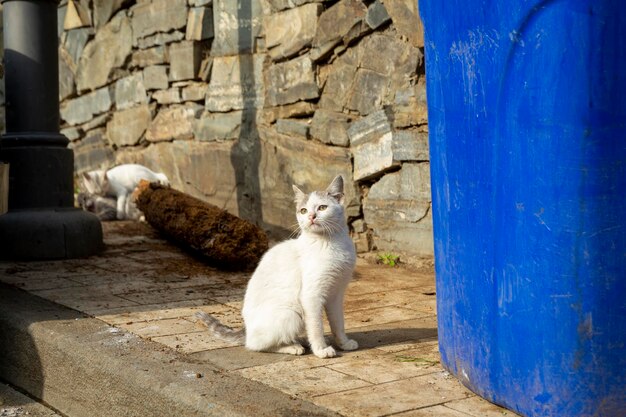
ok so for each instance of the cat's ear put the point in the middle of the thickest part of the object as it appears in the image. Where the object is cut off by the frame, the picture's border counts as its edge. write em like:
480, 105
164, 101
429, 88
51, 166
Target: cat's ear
335, 189
299, 195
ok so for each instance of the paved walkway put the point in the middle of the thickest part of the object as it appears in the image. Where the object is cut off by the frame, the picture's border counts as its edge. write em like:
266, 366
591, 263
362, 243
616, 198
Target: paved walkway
152, 289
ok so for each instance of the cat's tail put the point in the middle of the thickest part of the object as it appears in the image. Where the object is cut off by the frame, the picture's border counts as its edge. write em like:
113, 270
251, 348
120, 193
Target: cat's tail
220, 330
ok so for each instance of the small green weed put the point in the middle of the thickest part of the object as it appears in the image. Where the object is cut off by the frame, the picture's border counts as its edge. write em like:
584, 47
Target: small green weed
388, 258
424, 361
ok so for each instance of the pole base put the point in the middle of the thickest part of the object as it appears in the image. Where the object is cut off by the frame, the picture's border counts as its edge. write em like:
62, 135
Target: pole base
49, 234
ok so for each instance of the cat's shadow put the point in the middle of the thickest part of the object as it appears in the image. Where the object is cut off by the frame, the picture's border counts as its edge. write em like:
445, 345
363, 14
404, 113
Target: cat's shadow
375, 338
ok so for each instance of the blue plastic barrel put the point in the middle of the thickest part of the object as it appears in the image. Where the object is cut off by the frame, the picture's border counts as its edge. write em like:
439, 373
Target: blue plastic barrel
527, 120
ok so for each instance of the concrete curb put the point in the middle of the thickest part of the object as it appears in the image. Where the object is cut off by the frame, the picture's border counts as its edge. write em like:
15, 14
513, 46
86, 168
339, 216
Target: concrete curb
83, 367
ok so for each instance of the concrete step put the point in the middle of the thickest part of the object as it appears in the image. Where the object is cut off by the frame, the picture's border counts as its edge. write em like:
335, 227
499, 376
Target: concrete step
81, 366
15, 404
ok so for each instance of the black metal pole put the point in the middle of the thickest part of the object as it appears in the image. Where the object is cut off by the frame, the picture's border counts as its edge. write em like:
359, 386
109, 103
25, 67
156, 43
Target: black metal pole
42, 222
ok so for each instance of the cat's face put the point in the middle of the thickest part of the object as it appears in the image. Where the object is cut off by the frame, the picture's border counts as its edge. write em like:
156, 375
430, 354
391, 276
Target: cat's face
321, 212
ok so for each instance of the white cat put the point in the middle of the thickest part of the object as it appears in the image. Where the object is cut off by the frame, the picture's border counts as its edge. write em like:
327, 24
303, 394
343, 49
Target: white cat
297, 280
120, 182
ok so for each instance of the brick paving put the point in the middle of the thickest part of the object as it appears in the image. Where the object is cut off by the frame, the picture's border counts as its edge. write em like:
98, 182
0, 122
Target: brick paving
150, 288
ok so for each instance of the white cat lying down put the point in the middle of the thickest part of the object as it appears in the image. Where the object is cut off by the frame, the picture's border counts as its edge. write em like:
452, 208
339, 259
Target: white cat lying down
297, 280
120, 182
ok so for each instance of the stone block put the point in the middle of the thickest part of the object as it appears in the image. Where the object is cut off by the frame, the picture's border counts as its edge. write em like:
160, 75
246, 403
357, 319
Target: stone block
194, 92
369, 128
342, 22
159, 39
199, 3
104, 9
107, 51
368, 92
72, 133
185, 58
95, 122
92, 152
376, 15
67, 69
237, 24
410, 145
75, 41
128, 126
409, 106
155, 77
77, 15
290, 127
405, 17
309, 165
130, 91
173, 123
377, 148
291, 81
236, 83
290, 4
338, 85
151, 56
85, 107
269, 115
199, 24
169, 96
218, 126
290, 31
330, 127
158, 16
397, 209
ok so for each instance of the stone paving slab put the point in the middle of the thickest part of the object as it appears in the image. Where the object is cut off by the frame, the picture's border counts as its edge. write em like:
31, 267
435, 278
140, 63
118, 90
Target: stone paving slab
151, 289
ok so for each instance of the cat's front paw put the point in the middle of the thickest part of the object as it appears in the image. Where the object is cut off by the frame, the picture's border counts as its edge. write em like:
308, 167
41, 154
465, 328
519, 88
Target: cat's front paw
327, 352
348, 344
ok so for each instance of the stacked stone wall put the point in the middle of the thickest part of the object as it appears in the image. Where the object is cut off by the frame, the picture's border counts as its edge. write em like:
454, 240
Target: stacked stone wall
235, 100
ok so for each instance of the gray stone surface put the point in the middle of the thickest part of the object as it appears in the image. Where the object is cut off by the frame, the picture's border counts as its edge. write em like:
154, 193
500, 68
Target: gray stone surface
83, 108
195, 91
406, 19
378, 148
173, 123
291, 81
236, 83
290, 127
169, 96
97, 121
155, 77
128, 126
279, 5
16, 404
185, 58
104, 9
199, 3
158, 16
218, 126
342, 22
410, 145
338, 85
237, 24
330, 127
199, 24
288, 32
92, 152
107, 51
376, 15
397, 208
160, 39
130, 91
67, 70
269, 115
151, 56
368, 92
75, 41
72, 133
410, 106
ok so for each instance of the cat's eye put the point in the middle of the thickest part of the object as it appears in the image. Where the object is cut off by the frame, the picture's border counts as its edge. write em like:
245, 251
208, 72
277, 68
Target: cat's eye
303, 211
322, 208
